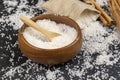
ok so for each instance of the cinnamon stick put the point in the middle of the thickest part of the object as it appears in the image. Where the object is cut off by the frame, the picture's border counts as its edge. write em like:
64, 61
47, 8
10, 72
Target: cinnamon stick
115, 12
103, 20
118, 2
101, 17
117, 6
103, 13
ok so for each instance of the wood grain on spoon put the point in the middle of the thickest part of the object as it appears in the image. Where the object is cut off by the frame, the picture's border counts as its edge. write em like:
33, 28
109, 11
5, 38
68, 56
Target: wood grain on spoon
50, 35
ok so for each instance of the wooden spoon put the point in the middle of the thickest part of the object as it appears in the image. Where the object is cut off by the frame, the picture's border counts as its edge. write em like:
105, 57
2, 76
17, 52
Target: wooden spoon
50, 35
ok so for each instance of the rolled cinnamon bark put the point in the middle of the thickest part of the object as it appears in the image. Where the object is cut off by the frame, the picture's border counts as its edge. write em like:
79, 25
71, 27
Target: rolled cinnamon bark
103, 13
114, 9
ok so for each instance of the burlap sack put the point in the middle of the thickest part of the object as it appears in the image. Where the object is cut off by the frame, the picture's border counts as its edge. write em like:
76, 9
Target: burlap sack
71, 8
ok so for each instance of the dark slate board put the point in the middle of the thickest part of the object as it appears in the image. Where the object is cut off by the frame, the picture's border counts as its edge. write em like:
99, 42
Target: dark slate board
15, 66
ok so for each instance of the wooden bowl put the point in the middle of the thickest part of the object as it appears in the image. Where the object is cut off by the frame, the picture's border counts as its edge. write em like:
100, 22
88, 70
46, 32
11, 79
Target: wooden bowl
51, 56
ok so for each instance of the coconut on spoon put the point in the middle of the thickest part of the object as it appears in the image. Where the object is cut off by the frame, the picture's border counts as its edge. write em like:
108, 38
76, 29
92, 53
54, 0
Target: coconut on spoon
49, 35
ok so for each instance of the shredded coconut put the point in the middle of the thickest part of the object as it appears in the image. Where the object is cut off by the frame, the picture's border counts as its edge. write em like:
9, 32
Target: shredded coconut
98, 59
16, 11
37, 39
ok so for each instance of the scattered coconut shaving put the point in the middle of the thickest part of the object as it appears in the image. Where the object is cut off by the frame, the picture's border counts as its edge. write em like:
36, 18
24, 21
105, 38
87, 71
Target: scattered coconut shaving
97, 60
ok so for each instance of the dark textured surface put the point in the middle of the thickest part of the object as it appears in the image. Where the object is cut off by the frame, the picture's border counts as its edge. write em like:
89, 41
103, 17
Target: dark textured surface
12, 61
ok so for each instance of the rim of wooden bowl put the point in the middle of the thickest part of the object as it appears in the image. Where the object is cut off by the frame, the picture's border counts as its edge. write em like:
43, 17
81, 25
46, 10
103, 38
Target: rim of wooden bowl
79, 34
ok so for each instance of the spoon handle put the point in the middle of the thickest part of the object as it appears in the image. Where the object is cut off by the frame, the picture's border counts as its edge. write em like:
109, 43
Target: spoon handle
31, 23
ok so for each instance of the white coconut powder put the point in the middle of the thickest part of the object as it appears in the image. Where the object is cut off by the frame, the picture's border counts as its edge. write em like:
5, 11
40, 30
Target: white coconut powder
37, 39
100, 44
